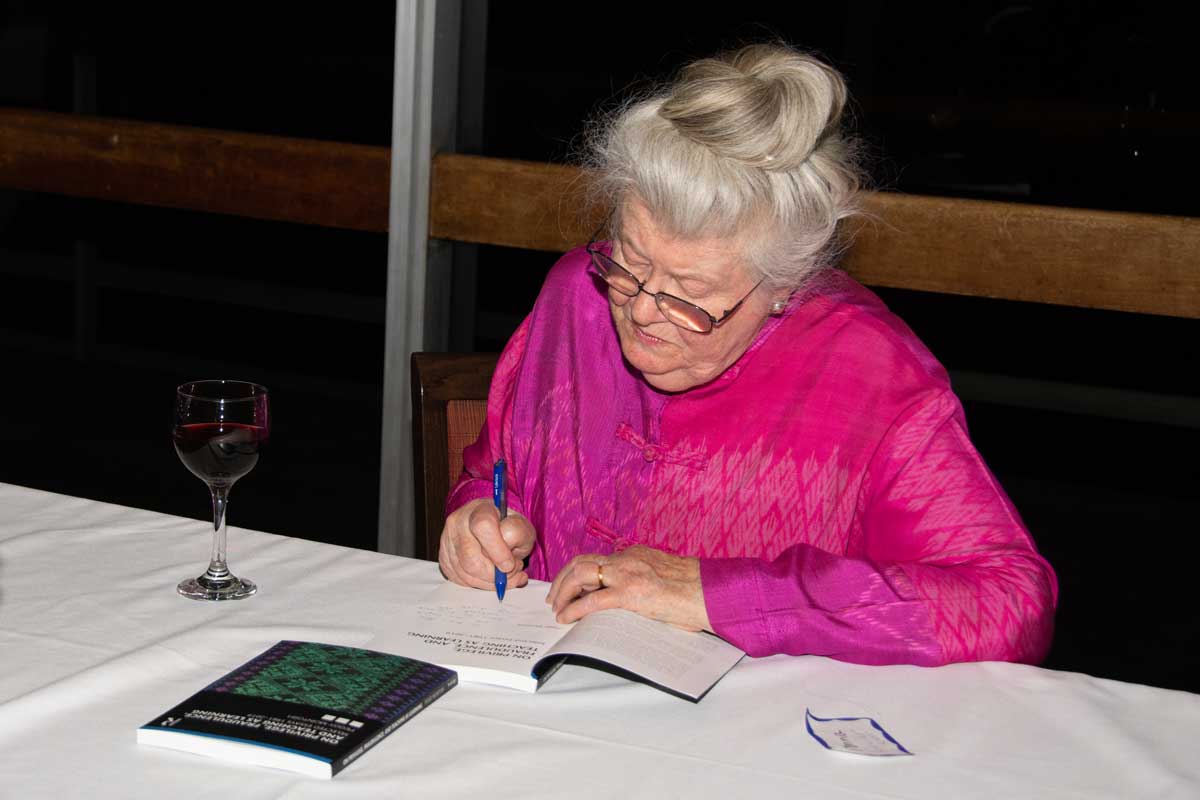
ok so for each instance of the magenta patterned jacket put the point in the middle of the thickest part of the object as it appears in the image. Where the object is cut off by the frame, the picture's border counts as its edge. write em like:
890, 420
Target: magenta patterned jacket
825, 480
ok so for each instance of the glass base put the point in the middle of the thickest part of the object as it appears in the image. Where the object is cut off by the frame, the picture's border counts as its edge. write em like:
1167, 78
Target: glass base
204, 588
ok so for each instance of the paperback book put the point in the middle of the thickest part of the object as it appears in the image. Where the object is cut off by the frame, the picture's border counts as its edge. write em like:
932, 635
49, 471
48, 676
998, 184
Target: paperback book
301, 706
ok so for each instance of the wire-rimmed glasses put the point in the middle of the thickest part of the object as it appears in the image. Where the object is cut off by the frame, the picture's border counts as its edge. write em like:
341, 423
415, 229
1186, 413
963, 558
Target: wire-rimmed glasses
678, 311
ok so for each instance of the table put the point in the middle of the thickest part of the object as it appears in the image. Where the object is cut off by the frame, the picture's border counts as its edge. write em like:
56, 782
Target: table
94, 642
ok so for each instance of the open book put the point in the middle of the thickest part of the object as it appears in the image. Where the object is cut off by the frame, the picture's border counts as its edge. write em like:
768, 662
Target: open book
518, 644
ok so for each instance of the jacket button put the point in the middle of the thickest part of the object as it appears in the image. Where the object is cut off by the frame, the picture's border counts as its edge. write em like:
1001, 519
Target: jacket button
649, 454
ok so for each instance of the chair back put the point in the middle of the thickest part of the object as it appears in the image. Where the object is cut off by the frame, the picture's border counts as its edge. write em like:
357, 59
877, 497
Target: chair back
449, 402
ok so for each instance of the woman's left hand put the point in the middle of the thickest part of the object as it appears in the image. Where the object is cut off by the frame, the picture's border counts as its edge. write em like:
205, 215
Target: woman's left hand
642, 579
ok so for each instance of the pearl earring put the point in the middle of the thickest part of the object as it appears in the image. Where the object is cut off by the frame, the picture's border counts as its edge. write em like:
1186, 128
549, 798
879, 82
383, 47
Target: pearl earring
778, 306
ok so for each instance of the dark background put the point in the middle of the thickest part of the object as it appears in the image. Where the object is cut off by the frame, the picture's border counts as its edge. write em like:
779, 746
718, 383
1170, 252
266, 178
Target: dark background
1066, 103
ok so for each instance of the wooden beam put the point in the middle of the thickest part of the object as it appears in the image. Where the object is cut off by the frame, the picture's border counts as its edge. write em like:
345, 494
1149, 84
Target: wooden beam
1092, 259
311, 182
1064, 256
510, 203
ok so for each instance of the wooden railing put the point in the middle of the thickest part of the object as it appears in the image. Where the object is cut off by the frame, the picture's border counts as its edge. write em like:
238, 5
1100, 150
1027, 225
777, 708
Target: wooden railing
1092, 259
243, 174
1074, 257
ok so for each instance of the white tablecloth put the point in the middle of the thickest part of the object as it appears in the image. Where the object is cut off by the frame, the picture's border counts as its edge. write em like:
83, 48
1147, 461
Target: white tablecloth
94, 642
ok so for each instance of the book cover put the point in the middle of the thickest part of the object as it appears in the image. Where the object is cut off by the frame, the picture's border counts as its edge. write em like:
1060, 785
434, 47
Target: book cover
301, 706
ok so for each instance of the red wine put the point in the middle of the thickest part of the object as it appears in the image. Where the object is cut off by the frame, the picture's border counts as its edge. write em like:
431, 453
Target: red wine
219, 452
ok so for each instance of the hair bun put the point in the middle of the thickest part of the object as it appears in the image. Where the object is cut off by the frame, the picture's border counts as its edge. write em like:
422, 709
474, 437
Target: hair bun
765, 106
746, 146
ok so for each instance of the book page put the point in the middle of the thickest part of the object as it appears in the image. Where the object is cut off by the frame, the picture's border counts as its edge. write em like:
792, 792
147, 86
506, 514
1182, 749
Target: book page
681, 661
472, 632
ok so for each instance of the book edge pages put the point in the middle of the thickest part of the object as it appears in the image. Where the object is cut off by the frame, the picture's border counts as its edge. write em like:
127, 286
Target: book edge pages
494, 677
238, 751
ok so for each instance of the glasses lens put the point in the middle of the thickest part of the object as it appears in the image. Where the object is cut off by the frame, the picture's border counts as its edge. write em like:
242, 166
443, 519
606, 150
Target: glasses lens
617, 276
685, 315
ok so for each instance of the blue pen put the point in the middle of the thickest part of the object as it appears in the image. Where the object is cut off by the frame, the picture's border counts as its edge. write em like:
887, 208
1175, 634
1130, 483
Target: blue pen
500, 498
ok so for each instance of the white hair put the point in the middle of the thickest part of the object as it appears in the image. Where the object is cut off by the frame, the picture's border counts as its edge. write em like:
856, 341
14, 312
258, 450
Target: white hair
747, 145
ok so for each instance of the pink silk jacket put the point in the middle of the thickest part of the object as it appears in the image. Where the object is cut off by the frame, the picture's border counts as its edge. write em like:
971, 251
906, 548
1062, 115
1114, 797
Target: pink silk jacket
825, 480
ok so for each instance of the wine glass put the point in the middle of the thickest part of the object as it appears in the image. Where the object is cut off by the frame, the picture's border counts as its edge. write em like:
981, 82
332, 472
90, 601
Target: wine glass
219, 427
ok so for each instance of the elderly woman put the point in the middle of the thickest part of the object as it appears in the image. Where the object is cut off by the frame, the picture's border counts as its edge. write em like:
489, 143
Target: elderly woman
707, 424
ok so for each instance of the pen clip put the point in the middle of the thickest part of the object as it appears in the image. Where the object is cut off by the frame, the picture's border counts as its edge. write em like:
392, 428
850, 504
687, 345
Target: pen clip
500, 487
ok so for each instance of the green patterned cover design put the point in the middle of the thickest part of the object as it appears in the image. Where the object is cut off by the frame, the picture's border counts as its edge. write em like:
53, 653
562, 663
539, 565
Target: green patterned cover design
358, 682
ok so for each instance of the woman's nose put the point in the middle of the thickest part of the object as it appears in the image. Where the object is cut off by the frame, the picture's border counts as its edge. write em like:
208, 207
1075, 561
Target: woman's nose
644, 311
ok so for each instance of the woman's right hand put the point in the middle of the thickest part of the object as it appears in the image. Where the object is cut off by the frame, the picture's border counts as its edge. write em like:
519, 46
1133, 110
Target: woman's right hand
475, 541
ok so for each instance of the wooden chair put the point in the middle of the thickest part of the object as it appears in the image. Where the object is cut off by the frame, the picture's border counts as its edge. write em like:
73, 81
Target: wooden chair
449, 401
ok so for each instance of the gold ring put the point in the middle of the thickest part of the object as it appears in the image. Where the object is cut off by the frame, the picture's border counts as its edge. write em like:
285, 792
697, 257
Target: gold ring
600, 575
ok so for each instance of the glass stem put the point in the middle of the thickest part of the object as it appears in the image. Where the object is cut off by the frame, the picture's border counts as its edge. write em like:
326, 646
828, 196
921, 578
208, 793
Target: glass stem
218, 572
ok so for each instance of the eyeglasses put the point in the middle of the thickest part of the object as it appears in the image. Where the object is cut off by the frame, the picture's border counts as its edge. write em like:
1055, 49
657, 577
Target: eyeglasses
678, 311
